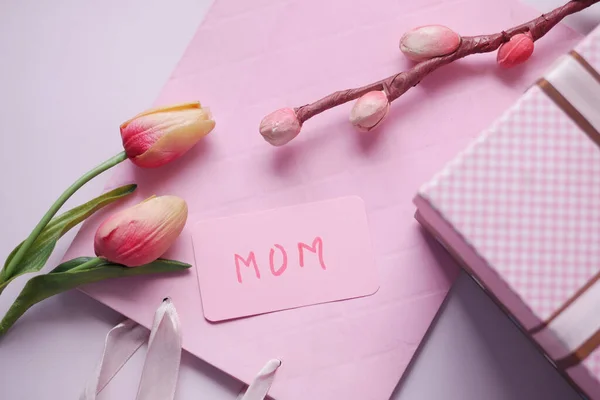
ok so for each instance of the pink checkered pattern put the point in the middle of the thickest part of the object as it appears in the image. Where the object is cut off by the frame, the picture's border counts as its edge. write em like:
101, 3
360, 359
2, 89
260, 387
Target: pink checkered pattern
526, 196
592, 362
589, 48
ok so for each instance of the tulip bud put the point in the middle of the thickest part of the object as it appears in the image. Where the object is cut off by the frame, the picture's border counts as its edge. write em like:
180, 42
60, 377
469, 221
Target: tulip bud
425, 42
369, 110
140, 234
160, 135
516, 51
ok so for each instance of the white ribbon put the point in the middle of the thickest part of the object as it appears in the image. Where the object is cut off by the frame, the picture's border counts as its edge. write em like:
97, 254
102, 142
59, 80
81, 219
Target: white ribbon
261, 384
161, 367
578, 86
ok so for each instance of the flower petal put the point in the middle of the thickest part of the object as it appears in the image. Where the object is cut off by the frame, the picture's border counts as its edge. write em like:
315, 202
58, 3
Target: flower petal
173, 107
180, 131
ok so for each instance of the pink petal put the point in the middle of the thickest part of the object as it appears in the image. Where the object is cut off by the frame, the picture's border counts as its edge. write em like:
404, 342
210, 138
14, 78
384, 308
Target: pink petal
158, 136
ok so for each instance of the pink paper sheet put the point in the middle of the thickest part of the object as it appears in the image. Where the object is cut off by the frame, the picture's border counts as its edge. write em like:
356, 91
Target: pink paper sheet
251, 57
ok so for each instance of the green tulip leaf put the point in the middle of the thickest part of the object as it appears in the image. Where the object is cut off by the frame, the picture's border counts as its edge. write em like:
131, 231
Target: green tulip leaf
42, 248
74, 273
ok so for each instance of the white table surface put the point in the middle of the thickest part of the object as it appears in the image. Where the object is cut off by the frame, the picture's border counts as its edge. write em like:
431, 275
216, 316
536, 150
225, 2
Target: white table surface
71, 70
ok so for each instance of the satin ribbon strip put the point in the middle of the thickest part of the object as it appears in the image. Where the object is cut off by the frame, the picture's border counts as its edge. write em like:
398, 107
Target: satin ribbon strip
577, 92
581, 60
121, 343
261, 384
161, 368
574, 86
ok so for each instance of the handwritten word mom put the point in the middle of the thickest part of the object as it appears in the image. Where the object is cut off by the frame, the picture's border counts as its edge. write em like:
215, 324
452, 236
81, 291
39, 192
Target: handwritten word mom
277, 270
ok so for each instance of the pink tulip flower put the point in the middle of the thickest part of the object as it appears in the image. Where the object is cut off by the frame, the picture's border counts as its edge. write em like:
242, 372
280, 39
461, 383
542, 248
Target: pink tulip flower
369, 110
142, 233
516, 51
279, 127
160, 135
425, 42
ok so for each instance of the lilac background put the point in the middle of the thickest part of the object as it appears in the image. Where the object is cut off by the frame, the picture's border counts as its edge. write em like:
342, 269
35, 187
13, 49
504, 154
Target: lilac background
70, 71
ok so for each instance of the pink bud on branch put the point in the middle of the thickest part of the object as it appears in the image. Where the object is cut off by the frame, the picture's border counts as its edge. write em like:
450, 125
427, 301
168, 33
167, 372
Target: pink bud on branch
432, 44
516, 51
429, 41
369, 110
280, 126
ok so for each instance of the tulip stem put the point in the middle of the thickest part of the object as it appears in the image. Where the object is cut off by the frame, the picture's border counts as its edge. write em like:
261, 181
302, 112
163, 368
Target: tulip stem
9, 270
398, 84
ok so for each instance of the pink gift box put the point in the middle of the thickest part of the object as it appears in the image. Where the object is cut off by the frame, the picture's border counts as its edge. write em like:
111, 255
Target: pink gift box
520, 210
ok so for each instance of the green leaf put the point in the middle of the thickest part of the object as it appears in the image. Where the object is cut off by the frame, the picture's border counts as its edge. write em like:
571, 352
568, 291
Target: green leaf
67, 276
42, 248
3, 285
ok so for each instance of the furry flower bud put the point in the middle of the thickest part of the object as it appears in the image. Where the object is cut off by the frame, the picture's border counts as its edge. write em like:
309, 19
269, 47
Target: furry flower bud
425, 42
279, 127
369, 110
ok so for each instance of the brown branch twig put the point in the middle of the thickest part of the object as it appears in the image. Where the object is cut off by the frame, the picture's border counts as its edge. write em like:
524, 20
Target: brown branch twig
396, 85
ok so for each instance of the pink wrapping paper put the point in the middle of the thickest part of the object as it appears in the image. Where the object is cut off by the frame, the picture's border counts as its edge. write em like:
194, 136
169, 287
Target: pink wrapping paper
249, 58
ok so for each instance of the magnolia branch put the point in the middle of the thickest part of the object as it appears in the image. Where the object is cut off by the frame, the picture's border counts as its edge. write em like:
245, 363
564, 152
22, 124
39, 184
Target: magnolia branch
281, 123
